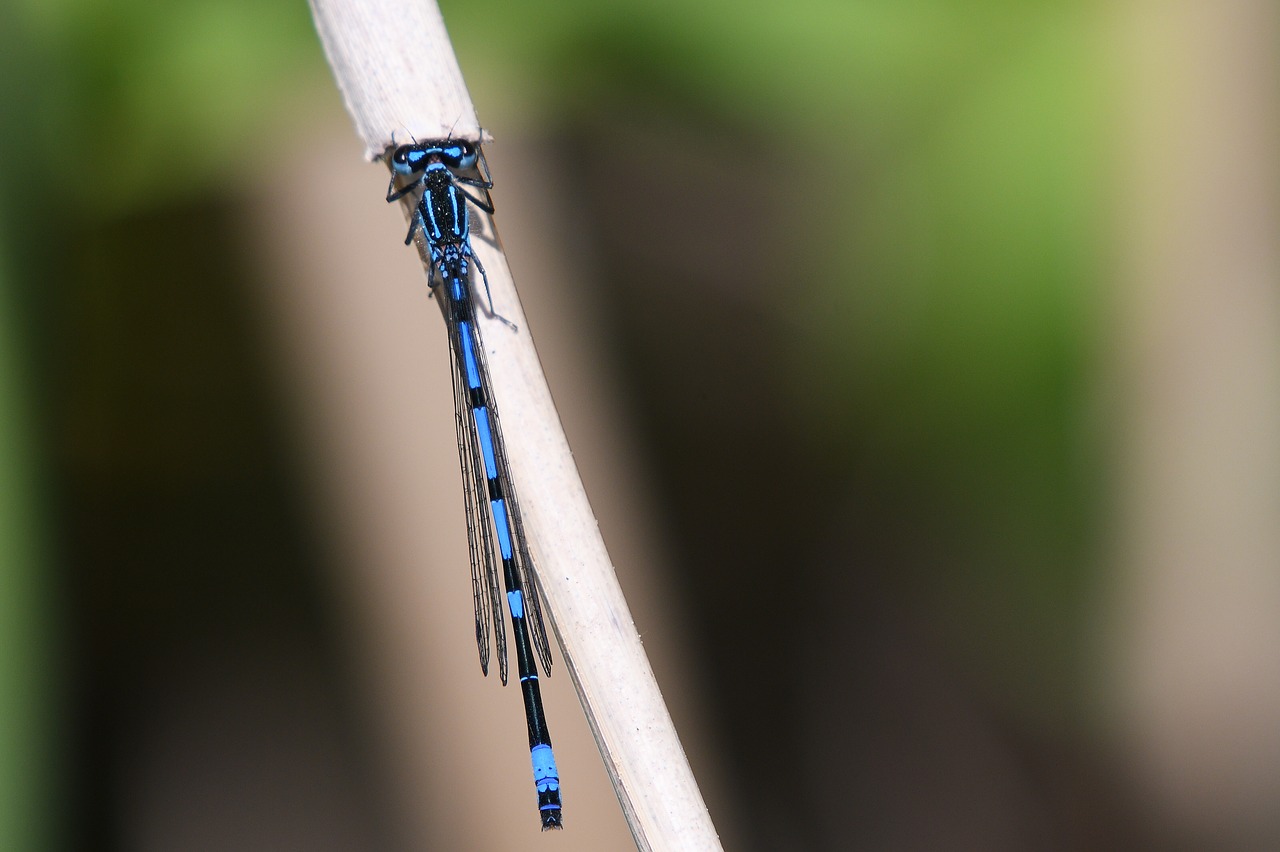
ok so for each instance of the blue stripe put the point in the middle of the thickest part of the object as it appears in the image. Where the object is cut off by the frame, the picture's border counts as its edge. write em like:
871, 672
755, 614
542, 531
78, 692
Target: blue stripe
500, 527
459, 216
481, 416
469, 355
428, 217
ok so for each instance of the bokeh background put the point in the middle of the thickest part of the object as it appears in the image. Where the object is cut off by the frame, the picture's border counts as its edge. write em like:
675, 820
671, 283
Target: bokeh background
921, 358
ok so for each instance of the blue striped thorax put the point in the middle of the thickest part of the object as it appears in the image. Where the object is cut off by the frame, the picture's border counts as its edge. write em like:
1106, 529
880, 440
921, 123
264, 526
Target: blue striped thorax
444, 209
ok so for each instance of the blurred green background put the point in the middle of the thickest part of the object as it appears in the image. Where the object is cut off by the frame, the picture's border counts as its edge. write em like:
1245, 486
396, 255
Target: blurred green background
853, 267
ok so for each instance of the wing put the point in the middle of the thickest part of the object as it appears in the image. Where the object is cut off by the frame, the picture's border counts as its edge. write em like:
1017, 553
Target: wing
523, 560
485, 583
466, 401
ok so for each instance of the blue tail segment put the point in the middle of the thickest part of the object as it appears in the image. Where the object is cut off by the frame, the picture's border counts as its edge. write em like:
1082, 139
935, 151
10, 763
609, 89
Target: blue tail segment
495, 528
547, 779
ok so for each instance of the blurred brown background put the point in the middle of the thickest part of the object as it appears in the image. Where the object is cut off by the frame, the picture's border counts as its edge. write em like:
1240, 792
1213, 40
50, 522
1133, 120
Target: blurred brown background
921, 359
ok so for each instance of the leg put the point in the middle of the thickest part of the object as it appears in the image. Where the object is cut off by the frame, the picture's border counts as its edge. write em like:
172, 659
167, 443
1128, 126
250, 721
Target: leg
394, 194
484, 182
488, 294
435, 266
486, 205
414, 218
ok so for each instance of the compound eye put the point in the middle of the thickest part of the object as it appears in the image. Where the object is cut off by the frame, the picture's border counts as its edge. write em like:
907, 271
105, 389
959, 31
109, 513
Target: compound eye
459, 155
401, 159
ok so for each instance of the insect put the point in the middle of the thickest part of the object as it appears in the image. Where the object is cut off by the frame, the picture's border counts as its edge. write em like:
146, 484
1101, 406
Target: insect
495, 529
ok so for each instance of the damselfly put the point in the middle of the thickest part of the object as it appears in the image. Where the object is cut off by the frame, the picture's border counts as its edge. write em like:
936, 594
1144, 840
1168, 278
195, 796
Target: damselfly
442, 168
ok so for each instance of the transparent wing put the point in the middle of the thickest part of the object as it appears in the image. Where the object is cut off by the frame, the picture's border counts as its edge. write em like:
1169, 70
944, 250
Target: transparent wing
524, 561
485, 582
